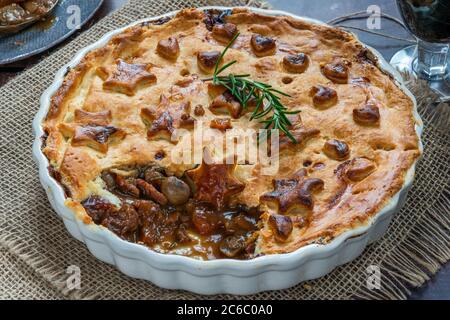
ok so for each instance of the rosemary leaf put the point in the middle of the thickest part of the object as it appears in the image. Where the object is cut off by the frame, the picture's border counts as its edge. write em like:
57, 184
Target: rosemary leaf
269, 109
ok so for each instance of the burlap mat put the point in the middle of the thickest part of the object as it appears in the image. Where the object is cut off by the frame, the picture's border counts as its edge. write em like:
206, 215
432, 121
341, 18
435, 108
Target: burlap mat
36, 248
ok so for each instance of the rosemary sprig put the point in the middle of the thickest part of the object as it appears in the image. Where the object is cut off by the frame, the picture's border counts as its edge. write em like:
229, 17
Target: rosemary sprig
269, 110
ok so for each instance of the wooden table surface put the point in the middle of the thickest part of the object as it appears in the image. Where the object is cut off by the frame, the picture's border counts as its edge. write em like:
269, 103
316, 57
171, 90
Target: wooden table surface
439, 286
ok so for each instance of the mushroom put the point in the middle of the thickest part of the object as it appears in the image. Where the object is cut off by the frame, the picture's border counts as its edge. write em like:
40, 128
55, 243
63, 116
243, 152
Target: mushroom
336, 149
175, 190
263, 46
224, 32
296, 63
206, 60
168, 48
323, 97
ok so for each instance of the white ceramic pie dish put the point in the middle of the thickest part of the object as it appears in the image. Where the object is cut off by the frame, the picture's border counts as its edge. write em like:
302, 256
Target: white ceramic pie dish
269, 272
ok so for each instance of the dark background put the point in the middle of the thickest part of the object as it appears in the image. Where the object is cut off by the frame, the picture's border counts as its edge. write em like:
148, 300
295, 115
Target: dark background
439, 286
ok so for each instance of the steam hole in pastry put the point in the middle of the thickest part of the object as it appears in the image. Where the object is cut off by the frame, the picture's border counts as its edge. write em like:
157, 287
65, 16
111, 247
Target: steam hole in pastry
362, 190
287, 80
307, 163
409, 148
160, 155
383, 146
318, 166
184, 72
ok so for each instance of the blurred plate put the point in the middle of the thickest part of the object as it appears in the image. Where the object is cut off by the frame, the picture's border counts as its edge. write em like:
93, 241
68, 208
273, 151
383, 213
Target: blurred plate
45, 34
16, 27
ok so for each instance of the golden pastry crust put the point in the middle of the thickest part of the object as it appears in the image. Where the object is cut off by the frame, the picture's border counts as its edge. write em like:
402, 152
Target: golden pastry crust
355, 150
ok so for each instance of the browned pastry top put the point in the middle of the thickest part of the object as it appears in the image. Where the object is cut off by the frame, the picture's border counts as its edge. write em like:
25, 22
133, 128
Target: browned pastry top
110, 123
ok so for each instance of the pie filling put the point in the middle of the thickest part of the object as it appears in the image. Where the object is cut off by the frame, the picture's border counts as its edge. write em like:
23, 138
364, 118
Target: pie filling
160, 212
